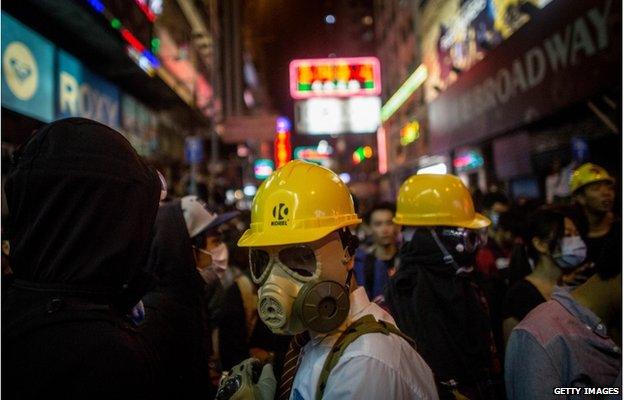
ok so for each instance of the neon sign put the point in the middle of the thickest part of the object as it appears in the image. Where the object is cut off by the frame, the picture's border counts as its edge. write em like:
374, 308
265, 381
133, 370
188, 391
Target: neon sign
136, 50
468, 160
404, 92
335, 77
263, 167
362, 153
410, 133
282, 147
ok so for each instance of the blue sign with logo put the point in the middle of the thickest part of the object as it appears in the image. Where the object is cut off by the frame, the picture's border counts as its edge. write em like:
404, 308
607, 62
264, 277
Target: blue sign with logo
81, 93
27, 71
194, 150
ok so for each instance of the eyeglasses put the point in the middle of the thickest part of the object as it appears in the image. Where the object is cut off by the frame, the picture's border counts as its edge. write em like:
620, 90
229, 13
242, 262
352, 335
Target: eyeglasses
299, 261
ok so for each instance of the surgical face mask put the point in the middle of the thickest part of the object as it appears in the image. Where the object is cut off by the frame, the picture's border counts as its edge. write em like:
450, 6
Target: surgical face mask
220, 257
572, 254
494, 217
300, 288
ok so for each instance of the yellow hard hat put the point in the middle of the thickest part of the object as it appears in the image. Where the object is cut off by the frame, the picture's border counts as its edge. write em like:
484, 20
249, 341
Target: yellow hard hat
586, 174
437, 200
299, 203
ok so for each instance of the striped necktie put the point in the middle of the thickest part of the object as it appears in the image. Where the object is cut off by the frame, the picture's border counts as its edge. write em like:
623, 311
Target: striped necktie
291, 364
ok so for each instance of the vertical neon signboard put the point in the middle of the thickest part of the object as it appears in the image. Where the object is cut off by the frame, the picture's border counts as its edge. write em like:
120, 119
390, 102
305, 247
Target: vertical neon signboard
282, 149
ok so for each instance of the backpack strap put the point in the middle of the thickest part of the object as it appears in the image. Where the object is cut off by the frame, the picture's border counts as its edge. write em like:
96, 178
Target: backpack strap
362, 326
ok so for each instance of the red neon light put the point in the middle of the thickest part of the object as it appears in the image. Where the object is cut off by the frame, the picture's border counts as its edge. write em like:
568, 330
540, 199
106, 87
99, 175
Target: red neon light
282, 149
462, 161
132, 40
382, 152
334, 71
146, 10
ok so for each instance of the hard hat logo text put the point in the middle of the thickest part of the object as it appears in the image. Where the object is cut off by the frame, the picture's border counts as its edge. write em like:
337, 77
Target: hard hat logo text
280, 212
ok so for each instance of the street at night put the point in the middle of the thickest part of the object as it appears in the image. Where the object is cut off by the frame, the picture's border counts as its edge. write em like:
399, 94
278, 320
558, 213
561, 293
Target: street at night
299, 200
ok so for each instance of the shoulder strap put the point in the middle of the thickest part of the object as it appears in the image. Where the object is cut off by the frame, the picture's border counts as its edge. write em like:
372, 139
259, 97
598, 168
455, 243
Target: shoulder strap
362, 326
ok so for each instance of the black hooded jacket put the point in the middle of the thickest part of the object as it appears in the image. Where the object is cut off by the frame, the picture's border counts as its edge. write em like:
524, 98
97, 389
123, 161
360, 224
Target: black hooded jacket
81, 208
176, 311
443, 313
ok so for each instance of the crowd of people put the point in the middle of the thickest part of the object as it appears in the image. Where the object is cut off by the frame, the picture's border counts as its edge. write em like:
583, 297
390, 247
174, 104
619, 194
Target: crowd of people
114, 289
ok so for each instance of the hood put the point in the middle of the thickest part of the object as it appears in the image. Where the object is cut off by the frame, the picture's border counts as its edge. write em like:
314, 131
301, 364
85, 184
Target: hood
171, 259
82, 204
421, 250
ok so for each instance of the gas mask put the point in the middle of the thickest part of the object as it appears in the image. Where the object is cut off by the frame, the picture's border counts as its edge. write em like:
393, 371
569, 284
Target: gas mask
459, 245
303, 286
572, 254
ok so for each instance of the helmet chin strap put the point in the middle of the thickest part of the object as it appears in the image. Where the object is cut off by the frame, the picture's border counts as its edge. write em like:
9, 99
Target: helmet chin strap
448, 258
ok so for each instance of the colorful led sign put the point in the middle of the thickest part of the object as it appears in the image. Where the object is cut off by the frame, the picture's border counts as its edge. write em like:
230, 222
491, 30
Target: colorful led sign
329, 116
310, 153
468, 160
138, 53
362, 153
263, 167
335, 77
410, 133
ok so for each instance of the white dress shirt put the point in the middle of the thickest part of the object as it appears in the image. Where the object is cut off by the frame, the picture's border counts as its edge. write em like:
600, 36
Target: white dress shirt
374, 366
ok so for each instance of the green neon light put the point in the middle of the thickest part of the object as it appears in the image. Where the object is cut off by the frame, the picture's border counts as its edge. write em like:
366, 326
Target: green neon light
115, 23
404, 92
155, 42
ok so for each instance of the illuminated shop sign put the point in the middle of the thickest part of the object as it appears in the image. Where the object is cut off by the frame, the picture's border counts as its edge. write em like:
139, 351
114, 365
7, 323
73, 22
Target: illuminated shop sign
27, 71
464, 31
136, 48
362, 153
564, 56
467, 160
330, 116
410, 133
282, 146
335, 77
319, 154
263, 167
81, 93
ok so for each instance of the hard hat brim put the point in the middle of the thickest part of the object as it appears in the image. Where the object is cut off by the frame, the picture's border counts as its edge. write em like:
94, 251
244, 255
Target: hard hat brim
609, 179
478, 222
263, 239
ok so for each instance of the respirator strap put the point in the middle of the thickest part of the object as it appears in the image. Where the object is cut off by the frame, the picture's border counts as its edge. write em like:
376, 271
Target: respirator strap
348, 282
448, 258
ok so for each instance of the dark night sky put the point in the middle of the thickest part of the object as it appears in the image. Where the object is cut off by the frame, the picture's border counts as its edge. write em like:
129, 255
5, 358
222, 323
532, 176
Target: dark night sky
282, 30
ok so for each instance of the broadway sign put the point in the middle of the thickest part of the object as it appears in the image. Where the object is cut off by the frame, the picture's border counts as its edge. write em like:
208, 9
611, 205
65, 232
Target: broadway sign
569, 51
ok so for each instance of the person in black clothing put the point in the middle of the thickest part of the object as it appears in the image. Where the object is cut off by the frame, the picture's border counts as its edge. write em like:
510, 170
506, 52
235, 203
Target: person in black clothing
82, 205
554, 247
177, 306
186, 302
434, 296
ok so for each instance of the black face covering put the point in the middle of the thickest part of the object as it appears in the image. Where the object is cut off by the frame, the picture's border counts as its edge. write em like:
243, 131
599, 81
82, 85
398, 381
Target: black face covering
458, 245
81, 208
440, 308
